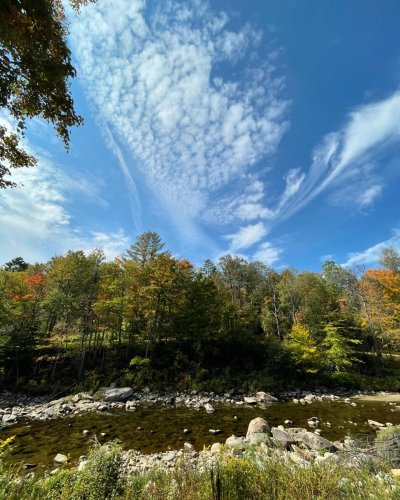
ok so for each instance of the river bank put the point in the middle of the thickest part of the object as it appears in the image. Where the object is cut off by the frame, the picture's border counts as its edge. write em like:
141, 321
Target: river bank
14, 407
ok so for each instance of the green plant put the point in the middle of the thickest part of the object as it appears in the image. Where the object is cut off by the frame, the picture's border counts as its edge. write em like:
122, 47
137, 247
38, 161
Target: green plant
387, 445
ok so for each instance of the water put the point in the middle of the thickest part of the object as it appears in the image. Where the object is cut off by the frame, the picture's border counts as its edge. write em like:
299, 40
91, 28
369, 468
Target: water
159, 428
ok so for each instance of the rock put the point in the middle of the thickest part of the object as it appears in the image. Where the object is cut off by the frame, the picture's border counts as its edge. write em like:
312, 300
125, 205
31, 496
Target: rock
103, 434
54, 472
188, 447
85, 432
236, 443
30, 466
250, 400
120, 394
216, 447
10, 419
260, 437
257, 425
374, 423
130, 406
82, 396
296, 401
82, 465
313, 422
214, 431
288, 422
282, 437
264, 397
316, 443
209, 408
187, 431
60, 459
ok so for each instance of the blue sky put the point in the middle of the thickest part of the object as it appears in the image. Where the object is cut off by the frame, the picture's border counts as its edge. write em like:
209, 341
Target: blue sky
265, 129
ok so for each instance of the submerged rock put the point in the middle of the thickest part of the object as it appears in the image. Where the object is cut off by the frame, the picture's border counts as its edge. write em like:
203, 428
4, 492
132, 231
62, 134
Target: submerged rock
209, 408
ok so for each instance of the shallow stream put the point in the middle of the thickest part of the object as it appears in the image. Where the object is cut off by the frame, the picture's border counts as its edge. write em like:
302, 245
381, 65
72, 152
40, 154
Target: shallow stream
159, 428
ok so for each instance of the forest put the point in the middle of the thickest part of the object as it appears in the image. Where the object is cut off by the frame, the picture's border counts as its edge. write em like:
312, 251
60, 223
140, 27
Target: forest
149, 319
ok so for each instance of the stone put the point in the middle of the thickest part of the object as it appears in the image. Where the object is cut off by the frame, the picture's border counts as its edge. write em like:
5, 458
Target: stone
264, 397
260, 437
257, 425
214, 431
288, 422
316, 443
374, 423
82, 465
187, 431
209, 408
130, 406
188, 447
216, 447
250, 400
282, 437
236, 443
85, 432
10, 419
60, 459
120, 394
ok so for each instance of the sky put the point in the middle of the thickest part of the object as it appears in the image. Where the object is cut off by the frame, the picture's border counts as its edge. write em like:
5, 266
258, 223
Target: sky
264, 129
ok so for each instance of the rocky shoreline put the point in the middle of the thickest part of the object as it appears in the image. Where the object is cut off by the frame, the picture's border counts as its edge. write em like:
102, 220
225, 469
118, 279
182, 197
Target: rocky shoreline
290, 444
15, 407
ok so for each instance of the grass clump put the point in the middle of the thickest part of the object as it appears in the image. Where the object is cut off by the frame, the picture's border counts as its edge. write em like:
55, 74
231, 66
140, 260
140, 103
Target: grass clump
387, 445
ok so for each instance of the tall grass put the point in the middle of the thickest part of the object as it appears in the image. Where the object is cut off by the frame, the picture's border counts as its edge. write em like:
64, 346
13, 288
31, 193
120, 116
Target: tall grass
104, 477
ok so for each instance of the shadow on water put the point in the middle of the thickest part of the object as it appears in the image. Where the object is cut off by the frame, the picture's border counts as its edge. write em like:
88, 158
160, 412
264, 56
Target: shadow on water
158, 428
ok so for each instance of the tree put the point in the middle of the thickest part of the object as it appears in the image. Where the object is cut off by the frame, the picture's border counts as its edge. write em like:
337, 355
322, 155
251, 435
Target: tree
302, 348
35, 68
390, 259
338, 350
17, 264
146, 247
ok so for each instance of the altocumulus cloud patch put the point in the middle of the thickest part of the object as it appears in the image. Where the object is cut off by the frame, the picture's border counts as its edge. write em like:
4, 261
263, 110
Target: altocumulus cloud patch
155, 79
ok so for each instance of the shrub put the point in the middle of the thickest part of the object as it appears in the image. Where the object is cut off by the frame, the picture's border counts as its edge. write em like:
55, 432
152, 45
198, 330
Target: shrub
387, 445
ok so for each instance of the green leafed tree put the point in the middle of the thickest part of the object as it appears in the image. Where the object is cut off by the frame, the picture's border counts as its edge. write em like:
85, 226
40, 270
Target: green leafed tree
338, 350
145, 248
35, 70
17, 264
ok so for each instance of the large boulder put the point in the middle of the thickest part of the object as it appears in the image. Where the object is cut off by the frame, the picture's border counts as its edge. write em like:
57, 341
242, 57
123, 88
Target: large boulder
315, 442
257, 425
264, 397
250, 400
120, 394
283, 438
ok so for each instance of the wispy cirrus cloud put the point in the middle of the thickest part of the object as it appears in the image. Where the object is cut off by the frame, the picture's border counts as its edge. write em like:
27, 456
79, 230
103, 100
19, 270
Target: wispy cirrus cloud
347, 159
372, 254
154, 75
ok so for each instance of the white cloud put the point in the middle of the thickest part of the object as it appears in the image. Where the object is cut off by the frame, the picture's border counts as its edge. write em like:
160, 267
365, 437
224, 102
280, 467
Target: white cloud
36, 220
371, 255
267, 253
192, 132
344, 159
247, 236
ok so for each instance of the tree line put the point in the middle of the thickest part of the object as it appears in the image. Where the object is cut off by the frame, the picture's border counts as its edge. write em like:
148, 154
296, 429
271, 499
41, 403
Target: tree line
149, 316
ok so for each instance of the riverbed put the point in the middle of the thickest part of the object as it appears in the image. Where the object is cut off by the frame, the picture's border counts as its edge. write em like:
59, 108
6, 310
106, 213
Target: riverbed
159, 428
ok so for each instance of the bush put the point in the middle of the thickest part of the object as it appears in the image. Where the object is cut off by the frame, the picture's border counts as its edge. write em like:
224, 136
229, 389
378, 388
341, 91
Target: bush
387, 445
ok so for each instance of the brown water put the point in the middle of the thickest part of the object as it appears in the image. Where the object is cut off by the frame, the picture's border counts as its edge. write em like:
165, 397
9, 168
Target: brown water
159, 428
